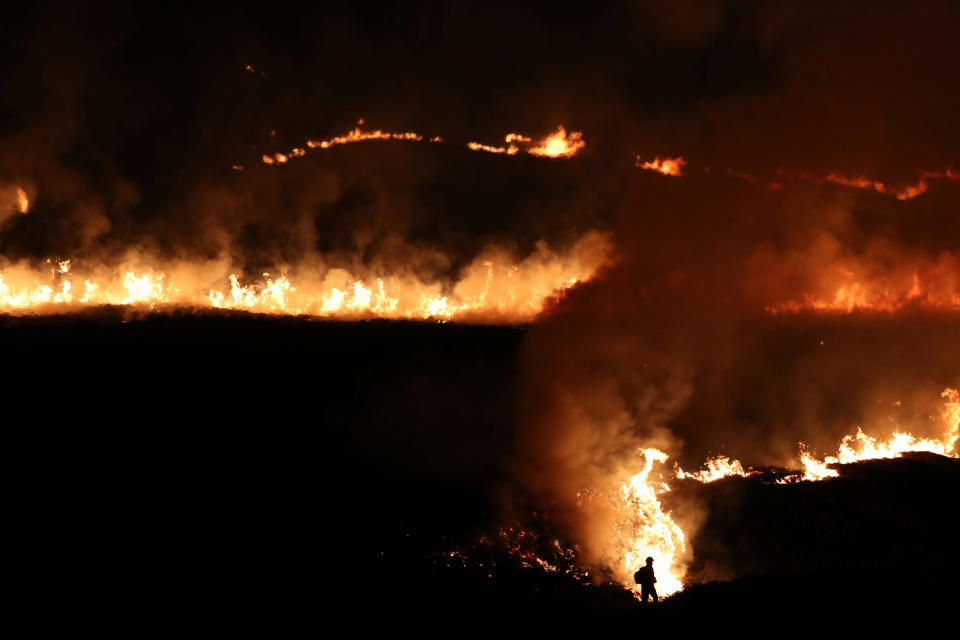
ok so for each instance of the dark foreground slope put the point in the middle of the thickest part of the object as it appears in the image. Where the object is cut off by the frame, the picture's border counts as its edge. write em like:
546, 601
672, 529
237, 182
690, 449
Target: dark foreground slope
235, 472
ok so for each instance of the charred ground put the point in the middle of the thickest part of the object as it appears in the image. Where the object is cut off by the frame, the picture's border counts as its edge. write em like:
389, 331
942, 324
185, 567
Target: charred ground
280, 471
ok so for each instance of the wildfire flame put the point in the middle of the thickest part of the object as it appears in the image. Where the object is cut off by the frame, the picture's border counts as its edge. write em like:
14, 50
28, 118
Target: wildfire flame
666, 166
23, 202
494, 288
558, 144
900, 192
356, 135
645, 529
938, 288
854, 448
714, 469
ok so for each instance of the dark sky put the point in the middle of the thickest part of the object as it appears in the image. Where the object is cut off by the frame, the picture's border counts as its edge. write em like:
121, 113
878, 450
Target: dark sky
123, 121
139, 108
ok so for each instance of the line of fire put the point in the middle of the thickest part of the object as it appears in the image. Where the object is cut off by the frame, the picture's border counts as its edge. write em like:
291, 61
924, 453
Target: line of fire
466, 316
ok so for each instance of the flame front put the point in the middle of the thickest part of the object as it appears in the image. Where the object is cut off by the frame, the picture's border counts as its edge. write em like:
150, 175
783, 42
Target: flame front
854, 448
714, 469
558, 144
495, 287
645, 529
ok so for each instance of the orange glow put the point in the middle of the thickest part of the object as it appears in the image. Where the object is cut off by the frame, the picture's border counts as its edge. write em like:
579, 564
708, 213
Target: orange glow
714, 469
476, 146
885, 295
881, 278
859, 182
900, 192
558, 144
495, 287
356, 135
645, 529
854, 448
23, 202
666, 166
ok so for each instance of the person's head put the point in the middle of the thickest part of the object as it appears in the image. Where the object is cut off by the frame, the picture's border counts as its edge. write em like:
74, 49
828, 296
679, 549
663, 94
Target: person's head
649, 561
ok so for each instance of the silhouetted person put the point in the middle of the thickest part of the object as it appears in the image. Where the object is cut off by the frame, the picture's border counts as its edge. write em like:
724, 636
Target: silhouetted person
645, 578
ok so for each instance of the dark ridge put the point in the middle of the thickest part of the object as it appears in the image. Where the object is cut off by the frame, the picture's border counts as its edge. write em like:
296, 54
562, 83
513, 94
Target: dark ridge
249, 472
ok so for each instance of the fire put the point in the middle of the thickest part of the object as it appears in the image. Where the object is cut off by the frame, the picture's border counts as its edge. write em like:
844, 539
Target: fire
647, 530
854, 448
903, 191
666, 166
714, 469
23, 202
882, 278
476, 146
496, 287
558, 144
862, 297
900, 192
356, 135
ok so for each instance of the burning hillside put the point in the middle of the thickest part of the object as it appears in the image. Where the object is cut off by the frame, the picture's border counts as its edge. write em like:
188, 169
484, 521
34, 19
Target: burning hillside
657, 273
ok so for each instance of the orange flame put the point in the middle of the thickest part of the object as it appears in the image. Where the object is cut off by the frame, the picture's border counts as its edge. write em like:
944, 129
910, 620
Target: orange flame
858, 447
666, 166
939, 288
558, 144
496, 287
647, 530
23, 202
356, 135
714, 469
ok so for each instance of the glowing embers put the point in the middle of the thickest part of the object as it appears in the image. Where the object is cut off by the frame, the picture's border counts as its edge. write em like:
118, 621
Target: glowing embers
496, 287
666, 166
558, 144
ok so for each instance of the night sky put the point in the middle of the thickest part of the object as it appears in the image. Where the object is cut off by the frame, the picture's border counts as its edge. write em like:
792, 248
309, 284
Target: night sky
142, 127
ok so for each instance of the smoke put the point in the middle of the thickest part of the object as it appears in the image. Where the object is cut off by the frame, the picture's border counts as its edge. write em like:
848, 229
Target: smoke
124, 126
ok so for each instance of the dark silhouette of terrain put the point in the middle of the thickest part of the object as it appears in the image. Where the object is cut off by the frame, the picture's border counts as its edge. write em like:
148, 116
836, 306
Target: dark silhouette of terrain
233, 472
